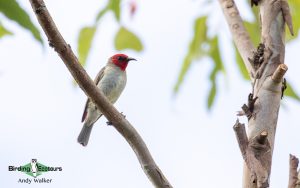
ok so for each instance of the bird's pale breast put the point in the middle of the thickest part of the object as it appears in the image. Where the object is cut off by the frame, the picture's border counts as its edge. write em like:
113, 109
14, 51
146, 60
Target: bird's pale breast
113, 83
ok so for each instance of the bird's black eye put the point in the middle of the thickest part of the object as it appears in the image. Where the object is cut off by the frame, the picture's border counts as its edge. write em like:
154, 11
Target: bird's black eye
120, 58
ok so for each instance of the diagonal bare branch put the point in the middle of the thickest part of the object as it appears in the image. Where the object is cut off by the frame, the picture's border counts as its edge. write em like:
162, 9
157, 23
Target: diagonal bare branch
88, 86
239, 33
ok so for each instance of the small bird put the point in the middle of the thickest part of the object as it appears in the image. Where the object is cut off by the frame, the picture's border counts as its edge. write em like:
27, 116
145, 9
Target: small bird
111, 80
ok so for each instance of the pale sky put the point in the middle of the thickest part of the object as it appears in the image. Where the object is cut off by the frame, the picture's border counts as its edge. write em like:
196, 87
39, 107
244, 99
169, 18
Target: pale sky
41, 109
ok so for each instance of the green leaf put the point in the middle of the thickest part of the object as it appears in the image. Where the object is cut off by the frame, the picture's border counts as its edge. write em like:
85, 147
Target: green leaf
101, 13
201, 46
212, 95
200, 36
85, 39
115, 7
255, 11
294, 8
254, 31
12, 10
291, 93
185, 67
4, 31
214, 53
196, 50
125, 39
241, 65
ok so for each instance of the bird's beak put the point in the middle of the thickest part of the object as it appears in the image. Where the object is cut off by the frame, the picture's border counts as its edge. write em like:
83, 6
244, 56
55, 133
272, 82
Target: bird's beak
130, 59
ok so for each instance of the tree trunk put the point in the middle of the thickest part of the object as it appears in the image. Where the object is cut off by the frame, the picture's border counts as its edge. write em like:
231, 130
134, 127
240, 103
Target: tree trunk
267, 70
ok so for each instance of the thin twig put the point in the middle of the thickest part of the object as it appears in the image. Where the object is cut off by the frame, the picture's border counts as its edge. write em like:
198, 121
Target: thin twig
88, 86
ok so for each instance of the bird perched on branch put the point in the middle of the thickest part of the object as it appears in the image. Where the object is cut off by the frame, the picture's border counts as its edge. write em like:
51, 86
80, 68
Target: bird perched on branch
111, 80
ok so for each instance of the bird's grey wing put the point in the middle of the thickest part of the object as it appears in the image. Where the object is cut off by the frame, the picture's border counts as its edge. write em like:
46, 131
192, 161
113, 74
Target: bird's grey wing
97, 79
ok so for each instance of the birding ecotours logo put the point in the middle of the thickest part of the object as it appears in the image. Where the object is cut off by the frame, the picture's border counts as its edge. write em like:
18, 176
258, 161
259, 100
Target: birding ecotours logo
33, 169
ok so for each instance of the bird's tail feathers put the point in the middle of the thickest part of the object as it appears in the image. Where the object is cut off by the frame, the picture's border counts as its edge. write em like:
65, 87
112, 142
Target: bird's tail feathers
84, 135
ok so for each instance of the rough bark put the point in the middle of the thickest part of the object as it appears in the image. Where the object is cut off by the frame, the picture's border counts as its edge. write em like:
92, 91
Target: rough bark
268, 85
87, 85
267, 69
254, 153
294, 182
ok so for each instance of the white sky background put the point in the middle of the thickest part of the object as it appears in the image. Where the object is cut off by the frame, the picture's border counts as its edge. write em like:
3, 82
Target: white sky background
41, 109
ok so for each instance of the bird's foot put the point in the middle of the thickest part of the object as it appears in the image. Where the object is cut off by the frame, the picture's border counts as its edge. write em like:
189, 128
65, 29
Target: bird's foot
109, 123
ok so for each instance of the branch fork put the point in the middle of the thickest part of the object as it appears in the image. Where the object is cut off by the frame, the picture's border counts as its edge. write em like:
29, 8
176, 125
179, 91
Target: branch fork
255, 152
266, 68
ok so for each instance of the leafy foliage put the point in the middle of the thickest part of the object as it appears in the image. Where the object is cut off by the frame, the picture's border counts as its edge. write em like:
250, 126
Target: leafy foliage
253, 30
295, 7
124, 38
200, 40
85, 38
201, 46
12, 10
195, 50
291, 93
218, 66
114, 6
4, 31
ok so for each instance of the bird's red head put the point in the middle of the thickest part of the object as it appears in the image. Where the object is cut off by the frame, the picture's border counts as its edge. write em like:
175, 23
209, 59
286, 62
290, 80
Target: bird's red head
121, 60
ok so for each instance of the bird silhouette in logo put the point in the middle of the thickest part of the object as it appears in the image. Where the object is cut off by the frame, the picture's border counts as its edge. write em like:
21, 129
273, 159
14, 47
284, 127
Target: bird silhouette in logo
34, 168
